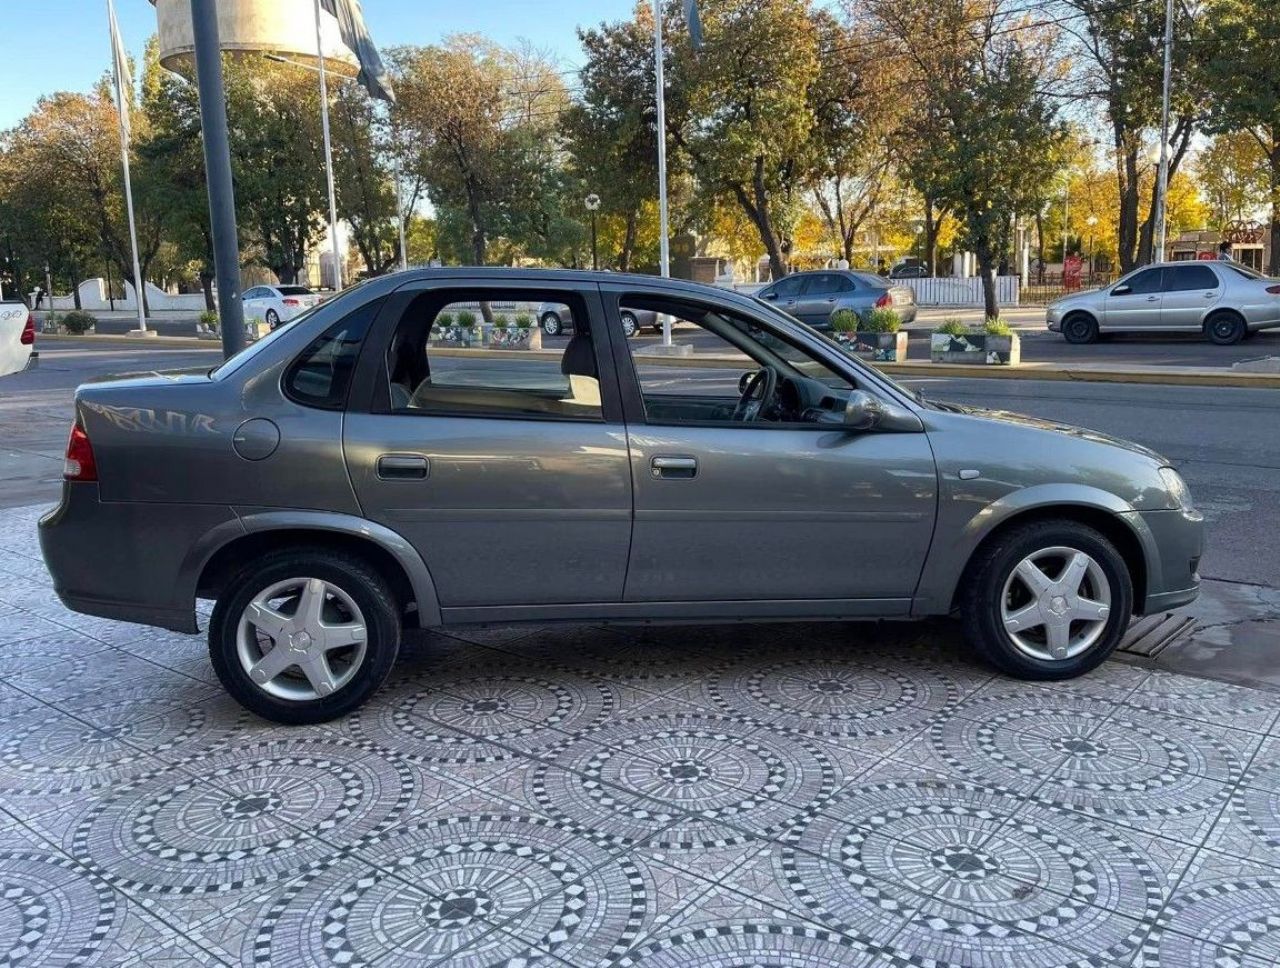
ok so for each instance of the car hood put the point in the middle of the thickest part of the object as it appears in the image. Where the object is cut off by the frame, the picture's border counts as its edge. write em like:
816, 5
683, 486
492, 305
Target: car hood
1036, 423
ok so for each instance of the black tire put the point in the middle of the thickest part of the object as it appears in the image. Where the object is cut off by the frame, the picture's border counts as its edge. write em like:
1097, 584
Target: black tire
630, 325
1225, 329
366, 587
273, 318
551, 324
1080, 328
982, 592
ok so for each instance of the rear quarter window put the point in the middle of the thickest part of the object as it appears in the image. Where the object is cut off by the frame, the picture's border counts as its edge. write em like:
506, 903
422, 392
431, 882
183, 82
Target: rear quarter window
321, 375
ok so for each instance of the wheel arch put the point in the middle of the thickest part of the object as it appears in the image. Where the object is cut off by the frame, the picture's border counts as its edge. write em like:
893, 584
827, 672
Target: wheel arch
1111, 516
212, 561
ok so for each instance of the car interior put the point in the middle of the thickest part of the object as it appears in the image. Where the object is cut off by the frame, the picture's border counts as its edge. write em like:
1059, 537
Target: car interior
425, 377
787, 385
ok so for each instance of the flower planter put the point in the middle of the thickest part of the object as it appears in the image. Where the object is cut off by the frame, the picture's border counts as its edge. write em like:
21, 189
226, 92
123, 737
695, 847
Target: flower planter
979, 349
514, 338
460, 336
876, 347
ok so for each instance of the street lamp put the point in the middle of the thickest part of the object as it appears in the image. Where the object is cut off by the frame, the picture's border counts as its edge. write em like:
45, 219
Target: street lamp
592, 202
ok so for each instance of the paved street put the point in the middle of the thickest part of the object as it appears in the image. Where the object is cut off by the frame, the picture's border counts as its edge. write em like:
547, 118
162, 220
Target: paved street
847, 795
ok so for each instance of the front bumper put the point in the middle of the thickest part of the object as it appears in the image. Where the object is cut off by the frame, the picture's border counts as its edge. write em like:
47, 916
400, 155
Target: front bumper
1174, 544
125, 560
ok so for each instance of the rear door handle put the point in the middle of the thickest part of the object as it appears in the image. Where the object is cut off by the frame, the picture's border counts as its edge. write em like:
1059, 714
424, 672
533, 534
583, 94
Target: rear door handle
674, 468
1152, 298
403, 467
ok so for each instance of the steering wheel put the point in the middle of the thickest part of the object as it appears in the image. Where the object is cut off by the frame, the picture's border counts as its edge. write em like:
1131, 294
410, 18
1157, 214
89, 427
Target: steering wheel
756, 395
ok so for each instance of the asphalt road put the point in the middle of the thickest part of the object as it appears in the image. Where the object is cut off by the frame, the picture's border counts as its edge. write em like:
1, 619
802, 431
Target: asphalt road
1226, 441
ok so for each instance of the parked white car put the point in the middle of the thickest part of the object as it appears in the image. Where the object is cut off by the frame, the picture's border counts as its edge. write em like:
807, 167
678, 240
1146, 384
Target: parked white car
278, 304
17, 337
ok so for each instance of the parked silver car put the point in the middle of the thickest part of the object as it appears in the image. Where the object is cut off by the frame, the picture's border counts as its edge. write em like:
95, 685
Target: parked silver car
812, 297
341, 480
1223, 300
557, 318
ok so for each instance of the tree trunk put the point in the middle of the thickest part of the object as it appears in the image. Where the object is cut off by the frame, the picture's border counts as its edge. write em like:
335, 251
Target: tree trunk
1127, 227
1040, 247
206, 286
1273, 263
628, 242
987, 268
932, 222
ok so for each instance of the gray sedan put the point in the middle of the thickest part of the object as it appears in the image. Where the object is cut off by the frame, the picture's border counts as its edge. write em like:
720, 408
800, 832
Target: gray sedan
812, 297
1223, 300
344, 479
557, 318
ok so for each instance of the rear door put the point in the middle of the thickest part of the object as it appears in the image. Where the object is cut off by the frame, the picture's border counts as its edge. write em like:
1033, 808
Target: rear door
1190, 291
1134, 303
507, 469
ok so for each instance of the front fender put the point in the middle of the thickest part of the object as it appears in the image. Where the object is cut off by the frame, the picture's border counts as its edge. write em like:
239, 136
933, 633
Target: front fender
259, 520
947, 560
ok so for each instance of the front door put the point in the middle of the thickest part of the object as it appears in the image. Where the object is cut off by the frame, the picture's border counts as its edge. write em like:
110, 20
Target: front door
740, 499
1190, 291
819, 298
507, 470
1134, 303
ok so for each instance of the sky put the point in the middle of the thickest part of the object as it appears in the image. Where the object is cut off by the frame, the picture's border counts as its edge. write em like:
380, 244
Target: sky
61, 45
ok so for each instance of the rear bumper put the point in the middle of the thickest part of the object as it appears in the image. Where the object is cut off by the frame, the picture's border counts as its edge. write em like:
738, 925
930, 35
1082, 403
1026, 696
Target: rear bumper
126, 561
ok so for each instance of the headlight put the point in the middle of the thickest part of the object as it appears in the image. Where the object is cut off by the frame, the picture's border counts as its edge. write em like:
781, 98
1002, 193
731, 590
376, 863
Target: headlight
1177, 488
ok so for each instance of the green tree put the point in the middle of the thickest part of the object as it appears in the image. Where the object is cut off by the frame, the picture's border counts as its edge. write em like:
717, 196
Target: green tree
362, 173
1244, 87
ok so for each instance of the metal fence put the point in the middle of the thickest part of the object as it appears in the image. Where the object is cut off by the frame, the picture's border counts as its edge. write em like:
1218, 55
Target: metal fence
1044, 289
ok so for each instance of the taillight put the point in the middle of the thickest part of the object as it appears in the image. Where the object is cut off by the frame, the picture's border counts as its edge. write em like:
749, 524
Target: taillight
291, 302
79, 465
1274, 290
884, 301
28, 336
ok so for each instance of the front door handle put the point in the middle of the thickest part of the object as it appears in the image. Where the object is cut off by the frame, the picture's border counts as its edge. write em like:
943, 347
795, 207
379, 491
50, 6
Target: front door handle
1152, 298
674, 468
403, 467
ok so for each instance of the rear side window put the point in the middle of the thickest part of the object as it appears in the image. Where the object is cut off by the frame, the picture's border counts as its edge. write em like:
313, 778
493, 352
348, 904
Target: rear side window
1180, 278
321, 376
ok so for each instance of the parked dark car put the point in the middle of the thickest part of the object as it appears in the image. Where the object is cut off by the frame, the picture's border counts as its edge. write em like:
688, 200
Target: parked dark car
812, 297
343, 479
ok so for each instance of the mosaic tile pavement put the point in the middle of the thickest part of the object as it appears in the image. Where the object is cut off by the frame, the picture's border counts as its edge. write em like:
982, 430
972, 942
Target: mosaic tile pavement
701, 797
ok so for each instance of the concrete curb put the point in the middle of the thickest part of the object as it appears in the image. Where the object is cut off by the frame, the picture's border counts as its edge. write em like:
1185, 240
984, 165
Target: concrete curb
1086, 373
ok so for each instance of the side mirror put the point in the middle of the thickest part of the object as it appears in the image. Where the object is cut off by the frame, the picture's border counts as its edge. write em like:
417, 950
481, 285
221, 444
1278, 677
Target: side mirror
863, 412
1121, 290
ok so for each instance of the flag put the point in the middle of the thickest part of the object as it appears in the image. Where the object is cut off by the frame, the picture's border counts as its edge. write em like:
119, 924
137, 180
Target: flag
695, 23
124, 81
373, 75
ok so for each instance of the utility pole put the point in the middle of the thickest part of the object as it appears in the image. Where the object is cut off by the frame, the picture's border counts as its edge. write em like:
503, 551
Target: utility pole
217, 163
1162, 175
328, 156
664, 247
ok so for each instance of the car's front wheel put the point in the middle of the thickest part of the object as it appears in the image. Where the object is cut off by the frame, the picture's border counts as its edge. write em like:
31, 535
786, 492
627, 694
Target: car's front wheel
1080, 328
630, 325
551, 324
304, 636
1047, 600
273, 318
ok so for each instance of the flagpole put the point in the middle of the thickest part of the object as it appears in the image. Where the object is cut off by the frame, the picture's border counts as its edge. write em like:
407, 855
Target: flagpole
660, 94
139, 285
328, 156
395, 172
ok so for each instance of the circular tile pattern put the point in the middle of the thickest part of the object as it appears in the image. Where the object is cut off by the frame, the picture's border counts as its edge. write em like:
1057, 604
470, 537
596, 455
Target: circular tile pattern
965, 862
754, 945
256, 815
419, 894
1258, 811
1216, 926
50, 913
855, 696
486, 717
677, 780
53, 754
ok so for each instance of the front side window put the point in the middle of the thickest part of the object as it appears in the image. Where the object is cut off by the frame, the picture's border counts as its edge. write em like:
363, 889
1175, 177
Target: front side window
740, 374
1145, 282
481, 353
321, 376
789, 287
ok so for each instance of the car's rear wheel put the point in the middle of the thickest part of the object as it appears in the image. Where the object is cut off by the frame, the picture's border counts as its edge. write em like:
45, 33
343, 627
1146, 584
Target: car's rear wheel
630, 325
1080, 328
1047, 600
551, 324
304, 636
1225, 329
273, 318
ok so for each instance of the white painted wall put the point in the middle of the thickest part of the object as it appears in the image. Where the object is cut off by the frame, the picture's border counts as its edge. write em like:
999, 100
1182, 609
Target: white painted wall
93, 299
